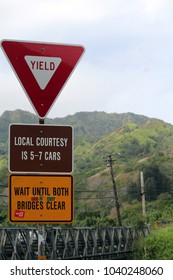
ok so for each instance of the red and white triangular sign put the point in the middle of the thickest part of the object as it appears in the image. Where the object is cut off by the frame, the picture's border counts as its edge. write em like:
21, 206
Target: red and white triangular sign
42, 69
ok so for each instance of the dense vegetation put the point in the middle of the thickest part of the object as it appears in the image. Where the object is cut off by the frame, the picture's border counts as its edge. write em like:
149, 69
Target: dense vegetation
157, 246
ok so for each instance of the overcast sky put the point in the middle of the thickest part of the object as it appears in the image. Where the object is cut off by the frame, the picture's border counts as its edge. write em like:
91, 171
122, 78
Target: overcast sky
128, 60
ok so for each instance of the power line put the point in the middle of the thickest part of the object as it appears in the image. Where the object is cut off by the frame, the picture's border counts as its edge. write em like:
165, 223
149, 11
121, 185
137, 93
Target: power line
88, 198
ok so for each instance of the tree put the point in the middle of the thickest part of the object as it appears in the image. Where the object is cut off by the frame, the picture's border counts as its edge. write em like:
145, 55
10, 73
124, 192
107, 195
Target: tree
133, 192
155, 182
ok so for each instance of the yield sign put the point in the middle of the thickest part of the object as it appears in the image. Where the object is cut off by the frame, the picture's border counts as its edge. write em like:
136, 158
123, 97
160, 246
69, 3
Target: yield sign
42, 69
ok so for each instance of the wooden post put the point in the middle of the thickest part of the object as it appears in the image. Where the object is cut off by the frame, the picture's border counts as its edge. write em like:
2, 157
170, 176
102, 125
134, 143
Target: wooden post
117, 204
143, 194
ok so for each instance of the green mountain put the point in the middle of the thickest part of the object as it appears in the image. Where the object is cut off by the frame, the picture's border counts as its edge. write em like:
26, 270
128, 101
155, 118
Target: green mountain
135, 143
87, 125
147, 147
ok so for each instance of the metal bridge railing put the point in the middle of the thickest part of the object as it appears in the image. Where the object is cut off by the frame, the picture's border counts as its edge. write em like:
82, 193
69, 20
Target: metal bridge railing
69, 243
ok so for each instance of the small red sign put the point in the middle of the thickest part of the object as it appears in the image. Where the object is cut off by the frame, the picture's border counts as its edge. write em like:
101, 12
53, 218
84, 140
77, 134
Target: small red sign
42, 69
19, 214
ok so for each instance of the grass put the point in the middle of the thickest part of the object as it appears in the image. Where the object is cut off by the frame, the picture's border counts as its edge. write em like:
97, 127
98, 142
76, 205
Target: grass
157, 246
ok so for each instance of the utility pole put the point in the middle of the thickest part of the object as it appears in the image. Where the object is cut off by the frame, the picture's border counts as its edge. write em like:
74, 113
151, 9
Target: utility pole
110, 161
143, 195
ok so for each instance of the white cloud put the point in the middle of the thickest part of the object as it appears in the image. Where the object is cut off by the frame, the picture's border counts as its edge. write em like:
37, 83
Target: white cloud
71, 10
36, 14
128, 62
154, 8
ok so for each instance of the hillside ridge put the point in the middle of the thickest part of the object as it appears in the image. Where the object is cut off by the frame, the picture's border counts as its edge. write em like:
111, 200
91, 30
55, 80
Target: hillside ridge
135, 142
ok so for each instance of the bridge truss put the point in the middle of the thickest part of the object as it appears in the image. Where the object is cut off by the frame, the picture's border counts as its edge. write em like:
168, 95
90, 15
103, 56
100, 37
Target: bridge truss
69, 243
